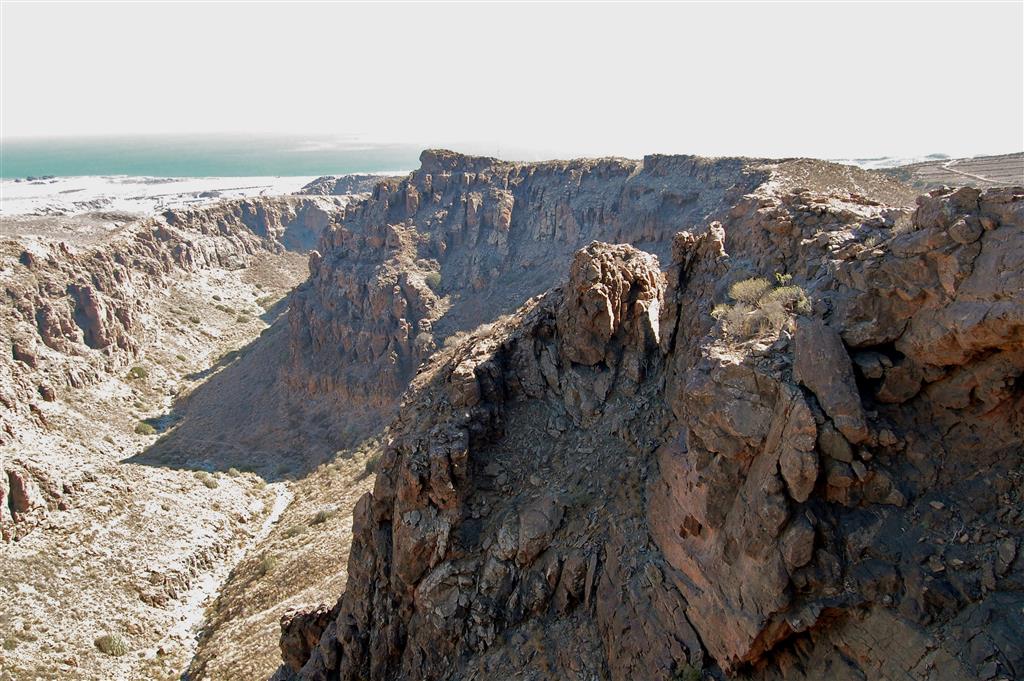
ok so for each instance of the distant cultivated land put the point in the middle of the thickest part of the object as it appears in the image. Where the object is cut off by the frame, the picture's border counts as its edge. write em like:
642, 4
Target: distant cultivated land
980, 171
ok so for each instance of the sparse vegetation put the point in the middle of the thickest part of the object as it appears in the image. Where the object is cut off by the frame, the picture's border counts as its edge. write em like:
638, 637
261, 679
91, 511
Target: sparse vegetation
371, 464
112, 644
322, 516
433, 280
207, 479
137, 373
759, 307
243, 319
194, 319
294, 531
143, 428
266, 564
454, 339
687, 672
267, 302
234, 472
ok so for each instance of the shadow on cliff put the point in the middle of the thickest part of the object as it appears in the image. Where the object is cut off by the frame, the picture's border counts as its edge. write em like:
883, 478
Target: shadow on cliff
243, 416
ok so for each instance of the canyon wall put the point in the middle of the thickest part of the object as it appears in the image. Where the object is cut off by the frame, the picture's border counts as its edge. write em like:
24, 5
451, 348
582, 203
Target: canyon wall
77, 314
645, 472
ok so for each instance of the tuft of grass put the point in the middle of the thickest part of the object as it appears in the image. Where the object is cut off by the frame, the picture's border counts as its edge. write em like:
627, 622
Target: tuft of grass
143, 428
181, 358
234, 472
112, 644
194, 319
136, 373
10, 643
243, 319
433, 280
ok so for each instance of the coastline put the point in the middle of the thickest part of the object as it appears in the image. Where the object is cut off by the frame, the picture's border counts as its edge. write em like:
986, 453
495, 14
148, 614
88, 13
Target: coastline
136, 195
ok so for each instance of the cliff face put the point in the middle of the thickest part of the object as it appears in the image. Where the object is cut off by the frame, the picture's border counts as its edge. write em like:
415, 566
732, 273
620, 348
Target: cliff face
464, 240
646, 473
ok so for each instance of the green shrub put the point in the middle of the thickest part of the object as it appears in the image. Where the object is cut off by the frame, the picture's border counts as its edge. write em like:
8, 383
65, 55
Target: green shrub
10, 643
207, 479
267, 302
243, 319
137, 373
687, 673
790, 297
143, 428
749, 291
322, 516
112, 644
181, 358
194, 319
433, 280
758, 307
371, 464
294, 531
266, 564
234, 472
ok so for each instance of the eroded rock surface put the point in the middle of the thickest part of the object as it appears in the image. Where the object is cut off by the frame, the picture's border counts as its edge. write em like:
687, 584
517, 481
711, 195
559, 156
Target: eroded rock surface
607, 483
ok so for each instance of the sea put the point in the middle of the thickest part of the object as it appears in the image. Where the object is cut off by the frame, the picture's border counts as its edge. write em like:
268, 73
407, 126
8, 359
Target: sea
141, 175
201, 156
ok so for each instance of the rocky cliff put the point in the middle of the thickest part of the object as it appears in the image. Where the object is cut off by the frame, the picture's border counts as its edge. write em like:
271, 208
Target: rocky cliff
779, 436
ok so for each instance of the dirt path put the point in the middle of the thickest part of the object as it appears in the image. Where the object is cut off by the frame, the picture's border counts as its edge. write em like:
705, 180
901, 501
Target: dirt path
191, 612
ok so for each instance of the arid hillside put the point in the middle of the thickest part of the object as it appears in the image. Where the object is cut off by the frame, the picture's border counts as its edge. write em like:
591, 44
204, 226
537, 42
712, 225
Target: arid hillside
110, 325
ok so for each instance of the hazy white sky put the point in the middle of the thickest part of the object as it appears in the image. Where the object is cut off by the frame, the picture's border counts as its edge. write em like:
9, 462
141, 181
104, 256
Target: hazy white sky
835, 80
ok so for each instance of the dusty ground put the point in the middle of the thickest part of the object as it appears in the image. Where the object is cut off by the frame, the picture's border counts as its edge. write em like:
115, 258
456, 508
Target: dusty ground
301, 564
139, 549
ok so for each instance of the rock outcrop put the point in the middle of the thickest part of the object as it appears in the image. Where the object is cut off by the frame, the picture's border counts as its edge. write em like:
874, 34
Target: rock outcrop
329, 185
609, 482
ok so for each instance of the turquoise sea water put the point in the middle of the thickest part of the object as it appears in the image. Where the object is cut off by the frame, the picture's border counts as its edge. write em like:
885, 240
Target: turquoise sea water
201, 156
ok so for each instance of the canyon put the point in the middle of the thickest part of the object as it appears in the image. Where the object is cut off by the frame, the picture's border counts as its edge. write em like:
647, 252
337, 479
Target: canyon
668, 418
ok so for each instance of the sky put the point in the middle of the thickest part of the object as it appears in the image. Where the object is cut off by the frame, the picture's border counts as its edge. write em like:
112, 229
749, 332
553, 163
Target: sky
829, 80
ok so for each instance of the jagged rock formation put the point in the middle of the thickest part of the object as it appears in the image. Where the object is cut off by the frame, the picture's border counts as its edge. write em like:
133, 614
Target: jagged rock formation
610, 483
75, 316
463, 240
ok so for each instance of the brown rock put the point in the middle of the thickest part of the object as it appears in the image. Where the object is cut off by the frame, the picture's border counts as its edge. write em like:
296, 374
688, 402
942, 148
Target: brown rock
822, 365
